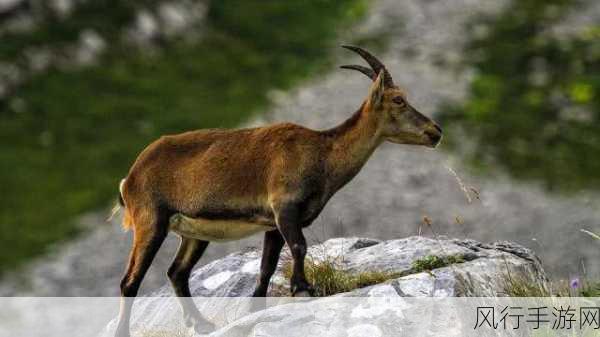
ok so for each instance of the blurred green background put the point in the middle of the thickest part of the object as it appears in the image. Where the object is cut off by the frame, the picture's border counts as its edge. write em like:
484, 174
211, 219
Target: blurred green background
72, 121
69, 135
534, 104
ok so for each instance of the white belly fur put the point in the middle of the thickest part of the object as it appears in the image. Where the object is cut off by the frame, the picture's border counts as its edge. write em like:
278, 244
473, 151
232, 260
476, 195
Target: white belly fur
214, 230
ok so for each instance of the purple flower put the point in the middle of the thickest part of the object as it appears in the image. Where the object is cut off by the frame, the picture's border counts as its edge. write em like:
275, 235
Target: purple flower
574, 283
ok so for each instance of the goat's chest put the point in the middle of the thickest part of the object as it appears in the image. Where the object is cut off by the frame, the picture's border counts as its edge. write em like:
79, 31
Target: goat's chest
215, 230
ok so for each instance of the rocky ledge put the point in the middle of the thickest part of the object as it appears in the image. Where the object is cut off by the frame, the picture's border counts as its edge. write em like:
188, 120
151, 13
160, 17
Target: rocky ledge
418, 267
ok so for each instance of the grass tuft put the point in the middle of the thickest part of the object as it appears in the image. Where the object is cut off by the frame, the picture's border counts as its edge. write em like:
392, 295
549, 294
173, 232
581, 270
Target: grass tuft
520, 287
591, 289
431, 262
329, 278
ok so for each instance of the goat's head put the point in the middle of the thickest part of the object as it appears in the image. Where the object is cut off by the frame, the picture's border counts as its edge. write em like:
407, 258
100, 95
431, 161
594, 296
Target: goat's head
400, 122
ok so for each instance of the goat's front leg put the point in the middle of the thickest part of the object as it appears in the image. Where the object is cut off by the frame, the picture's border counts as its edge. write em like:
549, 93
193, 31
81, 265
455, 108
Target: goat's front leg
272, 245
288, 223
271, 250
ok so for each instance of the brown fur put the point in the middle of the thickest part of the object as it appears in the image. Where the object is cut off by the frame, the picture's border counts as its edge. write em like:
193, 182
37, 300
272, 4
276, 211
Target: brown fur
127, 220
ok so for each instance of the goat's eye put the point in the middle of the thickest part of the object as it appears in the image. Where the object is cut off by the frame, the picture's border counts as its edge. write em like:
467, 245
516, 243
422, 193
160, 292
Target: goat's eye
399, 100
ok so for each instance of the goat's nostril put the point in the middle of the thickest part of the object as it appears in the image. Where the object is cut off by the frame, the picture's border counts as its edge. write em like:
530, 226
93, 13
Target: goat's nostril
434, 136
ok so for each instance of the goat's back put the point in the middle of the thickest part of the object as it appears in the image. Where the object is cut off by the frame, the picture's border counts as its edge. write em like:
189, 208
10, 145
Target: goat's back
213, 170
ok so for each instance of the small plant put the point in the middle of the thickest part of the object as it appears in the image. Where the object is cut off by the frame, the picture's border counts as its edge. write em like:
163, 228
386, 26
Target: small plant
593, 235
431, 262
520, 287
584, 288
329, 278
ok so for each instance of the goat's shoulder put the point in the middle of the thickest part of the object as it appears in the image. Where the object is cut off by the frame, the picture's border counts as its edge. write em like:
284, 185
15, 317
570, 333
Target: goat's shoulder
296, 158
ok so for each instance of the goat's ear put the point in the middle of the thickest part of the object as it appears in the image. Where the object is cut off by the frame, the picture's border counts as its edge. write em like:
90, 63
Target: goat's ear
376, 91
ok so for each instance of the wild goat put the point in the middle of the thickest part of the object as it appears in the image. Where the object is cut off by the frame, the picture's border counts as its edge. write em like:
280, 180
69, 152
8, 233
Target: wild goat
217, 185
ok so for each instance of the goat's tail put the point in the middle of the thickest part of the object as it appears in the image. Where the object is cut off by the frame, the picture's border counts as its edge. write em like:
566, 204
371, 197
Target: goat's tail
127, 220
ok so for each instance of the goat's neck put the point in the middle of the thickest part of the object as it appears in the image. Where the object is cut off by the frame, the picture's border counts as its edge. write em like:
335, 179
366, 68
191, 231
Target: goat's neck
353, 142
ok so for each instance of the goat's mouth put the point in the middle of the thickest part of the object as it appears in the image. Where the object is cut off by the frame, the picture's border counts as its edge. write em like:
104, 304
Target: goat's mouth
434, 139
430, 138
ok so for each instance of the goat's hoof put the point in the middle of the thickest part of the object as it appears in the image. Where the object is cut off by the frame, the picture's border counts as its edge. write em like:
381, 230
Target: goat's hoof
303, 293
303, 290
204, 328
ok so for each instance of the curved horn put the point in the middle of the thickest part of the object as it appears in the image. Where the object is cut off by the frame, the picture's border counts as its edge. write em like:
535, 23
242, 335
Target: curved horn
367, 71
375, 64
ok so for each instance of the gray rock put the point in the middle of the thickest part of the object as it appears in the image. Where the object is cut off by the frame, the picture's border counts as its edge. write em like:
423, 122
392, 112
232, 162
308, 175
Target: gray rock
483, 273
144, 29
39, 59
177, 16
7, 5
172, 19
90, 46
62, 8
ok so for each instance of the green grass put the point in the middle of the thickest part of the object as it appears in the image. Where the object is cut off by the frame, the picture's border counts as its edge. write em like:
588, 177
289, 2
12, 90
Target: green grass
328, 278
591, 289
518, 287
431, 262
67, 138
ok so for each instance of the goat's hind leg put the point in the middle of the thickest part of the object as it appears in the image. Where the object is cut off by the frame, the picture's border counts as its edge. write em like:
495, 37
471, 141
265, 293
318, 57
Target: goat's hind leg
190, 251
147, 238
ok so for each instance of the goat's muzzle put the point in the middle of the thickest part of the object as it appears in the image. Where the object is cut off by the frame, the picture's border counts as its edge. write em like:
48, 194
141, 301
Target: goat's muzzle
434, 133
